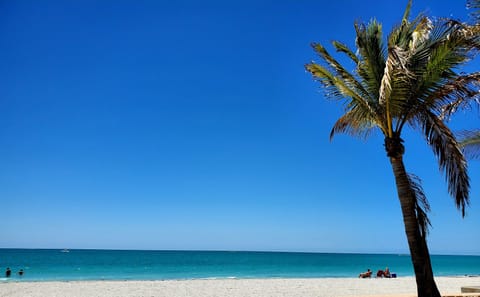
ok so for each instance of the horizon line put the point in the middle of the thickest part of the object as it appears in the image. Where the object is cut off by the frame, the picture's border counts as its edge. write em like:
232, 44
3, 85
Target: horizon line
236, 251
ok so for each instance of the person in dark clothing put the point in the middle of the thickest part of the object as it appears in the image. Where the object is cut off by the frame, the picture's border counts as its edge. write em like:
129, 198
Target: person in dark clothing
367, 274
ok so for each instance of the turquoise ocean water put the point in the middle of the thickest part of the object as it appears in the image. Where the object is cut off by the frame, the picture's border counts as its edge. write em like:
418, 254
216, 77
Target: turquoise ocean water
46, 265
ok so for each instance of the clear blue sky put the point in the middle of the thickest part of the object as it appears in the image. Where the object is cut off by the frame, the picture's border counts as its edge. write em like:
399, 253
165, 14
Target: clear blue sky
152, 125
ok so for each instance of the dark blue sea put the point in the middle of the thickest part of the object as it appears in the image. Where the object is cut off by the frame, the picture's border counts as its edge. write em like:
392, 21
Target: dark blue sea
47, 265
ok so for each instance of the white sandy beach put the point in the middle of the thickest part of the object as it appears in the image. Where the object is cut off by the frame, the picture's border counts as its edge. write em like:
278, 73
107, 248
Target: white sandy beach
320, 287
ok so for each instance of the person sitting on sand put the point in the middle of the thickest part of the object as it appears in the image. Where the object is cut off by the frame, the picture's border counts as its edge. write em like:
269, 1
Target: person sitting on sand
386, 273
366, 274
380, 273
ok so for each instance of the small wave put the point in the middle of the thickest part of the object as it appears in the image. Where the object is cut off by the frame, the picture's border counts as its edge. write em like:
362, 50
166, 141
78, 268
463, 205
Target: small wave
218, 277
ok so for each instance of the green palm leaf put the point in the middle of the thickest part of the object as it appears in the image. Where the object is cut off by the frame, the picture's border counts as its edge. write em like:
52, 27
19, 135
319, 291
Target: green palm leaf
422, 207
470, 142
450, 157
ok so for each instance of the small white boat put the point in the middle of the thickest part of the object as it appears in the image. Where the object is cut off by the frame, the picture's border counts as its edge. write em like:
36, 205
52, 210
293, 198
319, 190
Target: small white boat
65, 251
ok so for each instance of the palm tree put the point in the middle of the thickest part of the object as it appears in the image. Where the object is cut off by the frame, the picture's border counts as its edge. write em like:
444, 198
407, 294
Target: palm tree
405, 83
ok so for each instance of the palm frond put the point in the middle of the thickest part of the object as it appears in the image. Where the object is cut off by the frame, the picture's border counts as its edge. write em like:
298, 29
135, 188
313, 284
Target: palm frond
408, 9
450, 157
340, 47
451, 49
335, 86
470, 143
402, 34
340, 71
421, 33
457, 94
398, 78
340, 84
396, 74
422, 207
422, 51
396, 65
436, 86
475, 6
327, 79
372, 55
353, 123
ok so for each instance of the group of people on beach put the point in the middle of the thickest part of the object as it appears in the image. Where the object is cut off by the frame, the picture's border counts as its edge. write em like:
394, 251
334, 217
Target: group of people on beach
380, 273
8, 272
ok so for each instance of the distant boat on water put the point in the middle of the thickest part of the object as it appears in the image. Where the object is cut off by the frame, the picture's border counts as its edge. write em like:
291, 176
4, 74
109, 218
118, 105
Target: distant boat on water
65, 251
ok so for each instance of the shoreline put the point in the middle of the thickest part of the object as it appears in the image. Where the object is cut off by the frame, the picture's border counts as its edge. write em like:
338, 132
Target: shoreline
292, 287
220, 278
15, 279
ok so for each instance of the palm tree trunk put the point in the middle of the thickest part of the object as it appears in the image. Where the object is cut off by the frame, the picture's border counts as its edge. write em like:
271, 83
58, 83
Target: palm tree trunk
426, 286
